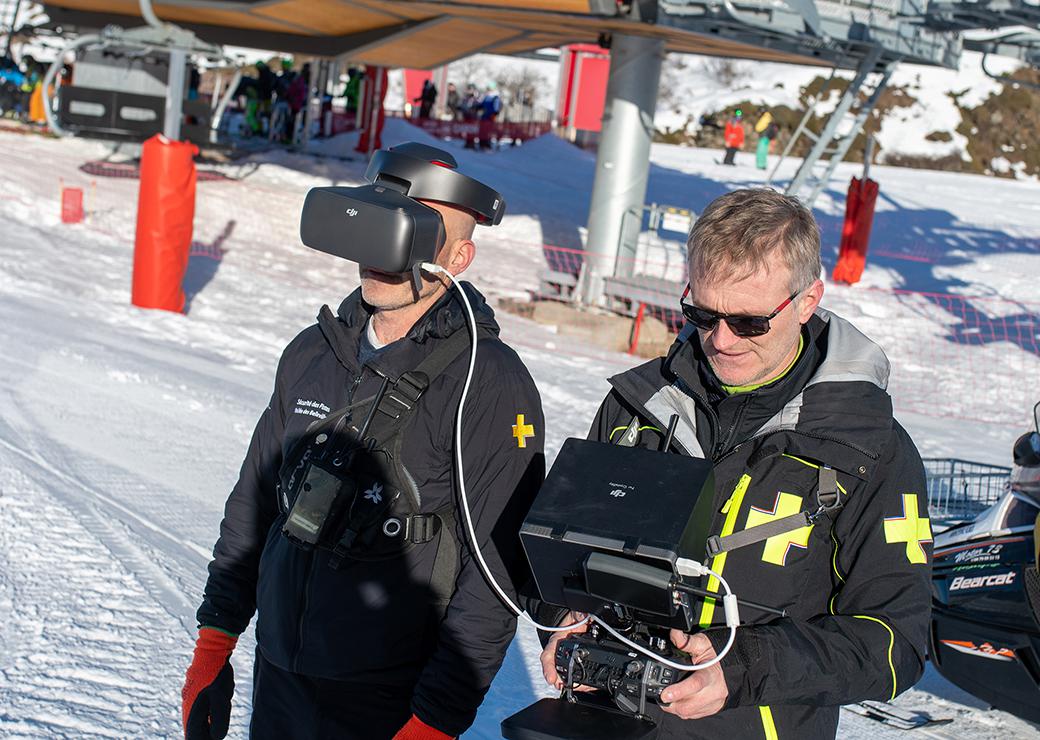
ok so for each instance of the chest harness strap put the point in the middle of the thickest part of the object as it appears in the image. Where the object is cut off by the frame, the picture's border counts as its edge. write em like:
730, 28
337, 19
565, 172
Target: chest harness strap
359, 501
827, 499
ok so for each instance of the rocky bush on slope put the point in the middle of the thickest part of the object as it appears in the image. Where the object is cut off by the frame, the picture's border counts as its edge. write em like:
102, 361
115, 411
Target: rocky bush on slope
1002, 132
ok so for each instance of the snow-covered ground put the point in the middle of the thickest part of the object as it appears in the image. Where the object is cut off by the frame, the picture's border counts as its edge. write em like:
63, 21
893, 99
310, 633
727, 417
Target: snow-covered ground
121, 430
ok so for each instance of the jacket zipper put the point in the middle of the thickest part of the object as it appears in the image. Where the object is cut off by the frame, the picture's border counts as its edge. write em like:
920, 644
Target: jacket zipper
733, 427
303, 611
730, 509
304, 599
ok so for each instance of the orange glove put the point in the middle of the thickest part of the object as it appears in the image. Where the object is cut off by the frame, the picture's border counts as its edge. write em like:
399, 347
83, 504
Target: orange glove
416, 729
208, 686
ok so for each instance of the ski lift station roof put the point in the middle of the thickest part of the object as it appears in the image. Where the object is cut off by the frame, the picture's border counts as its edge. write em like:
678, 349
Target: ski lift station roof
422, 34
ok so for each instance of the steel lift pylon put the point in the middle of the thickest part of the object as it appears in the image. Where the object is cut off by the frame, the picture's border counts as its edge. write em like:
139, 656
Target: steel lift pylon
842, 127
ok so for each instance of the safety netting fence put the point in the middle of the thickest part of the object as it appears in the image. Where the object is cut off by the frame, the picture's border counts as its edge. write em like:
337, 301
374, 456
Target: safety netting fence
971, 357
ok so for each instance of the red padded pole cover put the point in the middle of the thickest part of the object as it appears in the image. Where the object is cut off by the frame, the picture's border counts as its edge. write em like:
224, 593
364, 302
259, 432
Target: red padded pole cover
375, 94
868, 193
845, 267
165, 211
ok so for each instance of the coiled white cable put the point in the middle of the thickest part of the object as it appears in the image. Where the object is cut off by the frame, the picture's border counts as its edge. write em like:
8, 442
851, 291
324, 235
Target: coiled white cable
729, 601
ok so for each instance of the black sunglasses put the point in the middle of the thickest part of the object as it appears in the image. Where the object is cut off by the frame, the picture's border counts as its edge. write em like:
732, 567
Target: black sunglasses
739, 324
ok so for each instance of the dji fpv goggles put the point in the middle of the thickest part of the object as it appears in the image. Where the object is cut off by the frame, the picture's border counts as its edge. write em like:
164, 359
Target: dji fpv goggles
383, 225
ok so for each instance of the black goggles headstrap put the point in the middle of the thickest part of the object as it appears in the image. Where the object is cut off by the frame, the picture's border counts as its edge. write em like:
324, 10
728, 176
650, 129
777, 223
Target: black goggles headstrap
426, 173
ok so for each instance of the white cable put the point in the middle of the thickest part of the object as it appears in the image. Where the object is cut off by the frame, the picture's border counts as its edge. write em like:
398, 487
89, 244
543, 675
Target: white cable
467, 517
729, 604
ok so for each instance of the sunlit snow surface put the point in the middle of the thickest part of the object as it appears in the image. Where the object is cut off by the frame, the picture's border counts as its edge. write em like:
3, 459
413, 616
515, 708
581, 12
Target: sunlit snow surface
122, 430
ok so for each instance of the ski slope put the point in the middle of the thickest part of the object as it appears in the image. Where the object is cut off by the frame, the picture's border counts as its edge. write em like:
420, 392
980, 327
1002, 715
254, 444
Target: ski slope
121, 430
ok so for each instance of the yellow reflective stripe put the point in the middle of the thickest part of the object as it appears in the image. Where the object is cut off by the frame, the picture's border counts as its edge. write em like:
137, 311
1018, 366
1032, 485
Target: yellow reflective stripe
813, 465
891, 644
767, 723
834, 564
615, 430
891, 635
730, 509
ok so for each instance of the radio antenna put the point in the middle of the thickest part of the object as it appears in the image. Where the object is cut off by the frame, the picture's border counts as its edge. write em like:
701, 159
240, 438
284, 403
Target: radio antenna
672, 424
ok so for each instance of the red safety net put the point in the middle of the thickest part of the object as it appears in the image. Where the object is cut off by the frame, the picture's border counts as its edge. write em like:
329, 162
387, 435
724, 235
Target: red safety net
132, 171
469, 130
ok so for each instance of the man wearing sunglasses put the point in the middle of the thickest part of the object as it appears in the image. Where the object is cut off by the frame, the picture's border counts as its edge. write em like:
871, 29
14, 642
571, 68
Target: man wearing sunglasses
789, 402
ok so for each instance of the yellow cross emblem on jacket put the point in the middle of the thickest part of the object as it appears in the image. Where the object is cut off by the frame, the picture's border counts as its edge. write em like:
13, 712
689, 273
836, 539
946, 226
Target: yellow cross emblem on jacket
911, 529
777, 547
522, 431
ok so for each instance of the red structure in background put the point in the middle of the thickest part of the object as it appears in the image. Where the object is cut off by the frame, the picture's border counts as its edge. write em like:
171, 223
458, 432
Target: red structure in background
855, 233
371, 115
165, 212
413, 84
584, 69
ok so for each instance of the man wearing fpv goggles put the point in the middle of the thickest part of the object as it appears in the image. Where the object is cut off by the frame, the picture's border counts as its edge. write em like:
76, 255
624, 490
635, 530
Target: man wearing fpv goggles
819, 506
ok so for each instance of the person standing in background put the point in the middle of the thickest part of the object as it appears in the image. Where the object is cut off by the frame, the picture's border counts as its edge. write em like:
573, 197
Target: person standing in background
426, 99
734, 136
765, 127
453, 102
490, 106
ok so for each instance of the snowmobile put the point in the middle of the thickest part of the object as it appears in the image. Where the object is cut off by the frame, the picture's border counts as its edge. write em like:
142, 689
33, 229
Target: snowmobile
985, 632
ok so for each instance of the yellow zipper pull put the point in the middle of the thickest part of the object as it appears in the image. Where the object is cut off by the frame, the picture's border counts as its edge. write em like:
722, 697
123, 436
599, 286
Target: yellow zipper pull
738, 492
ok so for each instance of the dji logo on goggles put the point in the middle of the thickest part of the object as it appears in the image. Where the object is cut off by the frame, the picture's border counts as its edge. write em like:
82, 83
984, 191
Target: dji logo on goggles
352, 212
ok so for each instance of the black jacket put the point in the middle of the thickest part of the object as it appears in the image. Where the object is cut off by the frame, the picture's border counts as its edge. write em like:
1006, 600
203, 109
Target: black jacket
856, 584
377, 622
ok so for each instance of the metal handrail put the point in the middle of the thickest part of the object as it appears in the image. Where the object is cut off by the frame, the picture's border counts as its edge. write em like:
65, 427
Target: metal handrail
960, 488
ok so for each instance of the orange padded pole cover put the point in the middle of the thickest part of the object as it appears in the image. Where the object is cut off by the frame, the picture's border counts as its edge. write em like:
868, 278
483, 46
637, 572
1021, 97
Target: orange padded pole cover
165, 211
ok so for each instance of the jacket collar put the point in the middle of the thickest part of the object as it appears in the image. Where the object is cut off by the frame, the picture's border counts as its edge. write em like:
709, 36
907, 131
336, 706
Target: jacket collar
835, 350
835, 394
444, 318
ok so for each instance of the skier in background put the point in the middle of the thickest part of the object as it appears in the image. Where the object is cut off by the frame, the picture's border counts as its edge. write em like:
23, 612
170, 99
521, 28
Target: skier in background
734, 136
454, 104
490, 106
352, 90
766, 129
11, 81
299, 95
470, 103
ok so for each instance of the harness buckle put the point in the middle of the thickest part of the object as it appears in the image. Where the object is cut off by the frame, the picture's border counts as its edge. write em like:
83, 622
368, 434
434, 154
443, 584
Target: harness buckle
406, 392
827, 498
421, 528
